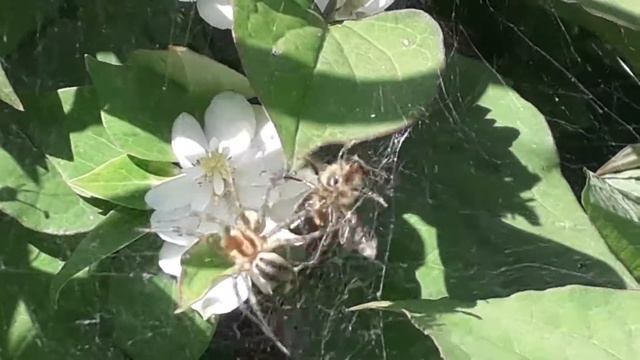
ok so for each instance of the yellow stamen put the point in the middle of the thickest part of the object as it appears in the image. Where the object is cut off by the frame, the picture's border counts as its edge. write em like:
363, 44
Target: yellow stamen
216, 163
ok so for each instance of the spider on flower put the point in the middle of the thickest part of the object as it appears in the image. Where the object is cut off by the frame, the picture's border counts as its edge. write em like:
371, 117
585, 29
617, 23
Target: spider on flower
328, 211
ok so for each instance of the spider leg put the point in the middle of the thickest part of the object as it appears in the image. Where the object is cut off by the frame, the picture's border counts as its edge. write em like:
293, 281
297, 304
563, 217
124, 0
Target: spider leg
260, 320
366, 193
343, 152
299, 216
295, 178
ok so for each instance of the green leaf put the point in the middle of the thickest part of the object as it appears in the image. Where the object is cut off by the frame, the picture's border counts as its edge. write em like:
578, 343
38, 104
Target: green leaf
143, 304
17, 19
119, 228
626, 159
352, 81
203, 265
142, 98
200, 75
6, 92
616, 213
622, 12
31, 328
489, 211
617, 22
119, 181
33, 192
66, 126
573, 322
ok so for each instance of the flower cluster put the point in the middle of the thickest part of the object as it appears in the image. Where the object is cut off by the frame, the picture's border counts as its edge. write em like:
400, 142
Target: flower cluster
219, 13
233, 168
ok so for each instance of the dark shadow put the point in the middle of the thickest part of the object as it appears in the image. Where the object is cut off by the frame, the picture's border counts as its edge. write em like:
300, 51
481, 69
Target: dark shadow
570, 74
84, 326
472, 183
460, 178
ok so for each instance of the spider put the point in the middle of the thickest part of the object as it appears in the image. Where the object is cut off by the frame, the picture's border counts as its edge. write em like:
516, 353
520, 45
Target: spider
330, 207
254, 253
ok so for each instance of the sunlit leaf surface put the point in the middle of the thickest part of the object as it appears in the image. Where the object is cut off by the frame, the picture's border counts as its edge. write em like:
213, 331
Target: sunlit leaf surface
117, 230
141, 99
613, 205
33, 192
573, 322
351, 81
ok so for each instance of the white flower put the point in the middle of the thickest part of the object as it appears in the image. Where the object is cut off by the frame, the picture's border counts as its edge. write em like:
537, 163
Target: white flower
250, 258
228, 158
235, 164
219, 13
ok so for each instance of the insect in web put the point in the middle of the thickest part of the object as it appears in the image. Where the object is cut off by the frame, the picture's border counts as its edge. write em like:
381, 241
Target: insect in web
328, 212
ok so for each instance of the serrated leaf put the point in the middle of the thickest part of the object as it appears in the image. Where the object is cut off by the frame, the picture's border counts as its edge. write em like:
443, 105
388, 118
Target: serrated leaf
33, 192
334, 84
573, 322
490, 212
66, 126
616, 214
7, 94
142, 98
119, 228
143, 302
203, 265
119, 181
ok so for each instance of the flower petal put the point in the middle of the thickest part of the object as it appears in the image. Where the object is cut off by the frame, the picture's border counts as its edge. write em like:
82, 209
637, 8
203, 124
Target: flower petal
218, 183
202, 195
255, 176
217, 13
267, 138
224, 297
260, 282
373, 7
176, 226
282, 236
169, 258
322, 4
187, 140
230, 119
287, 198
171, 194
220, 212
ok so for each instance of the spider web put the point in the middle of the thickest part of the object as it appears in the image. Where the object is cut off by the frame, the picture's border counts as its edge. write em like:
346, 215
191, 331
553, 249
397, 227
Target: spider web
587, 95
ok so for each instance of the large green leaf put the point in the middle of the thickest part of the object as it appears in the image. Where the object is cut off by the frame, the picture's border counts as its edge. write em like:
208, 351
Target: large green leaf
30, 328
7, 94
488, 209
143, 305
33, 192
118, 229
573, 322
334, 84
616, 213
203, 265
142, 98
119, 181
66, 126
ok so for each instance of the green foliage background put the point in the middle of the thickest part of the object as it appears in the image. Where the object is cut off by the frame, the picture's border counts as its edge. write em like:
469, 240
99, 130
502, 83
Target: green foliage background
485, 207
